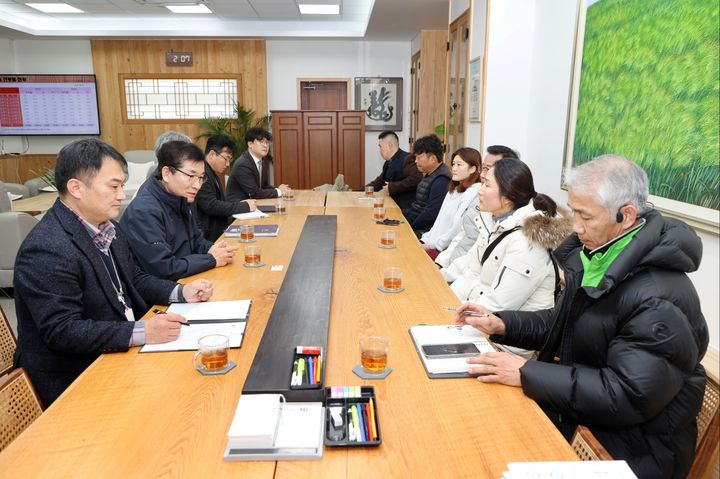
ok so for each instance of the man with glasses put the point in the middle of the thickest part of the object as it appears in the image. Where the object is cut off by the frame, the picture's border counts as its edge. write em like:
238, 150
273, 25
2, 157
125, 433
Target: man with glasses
160, 222
214, 211
249, 175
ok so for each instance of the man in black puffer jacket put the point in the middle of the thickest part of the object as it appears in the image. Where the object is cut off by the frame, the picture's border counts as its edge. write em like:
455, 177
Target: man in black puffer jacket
620, 351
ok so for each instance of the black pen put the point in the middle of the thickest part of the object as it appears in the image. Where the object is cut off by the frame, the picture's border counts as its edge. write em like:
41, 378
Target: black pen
160, 311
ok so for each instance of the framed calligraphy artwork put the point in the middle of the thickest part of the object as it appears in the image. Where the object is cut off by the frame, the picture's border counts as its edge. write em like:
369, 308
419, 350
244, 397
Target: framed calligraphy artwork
381, 100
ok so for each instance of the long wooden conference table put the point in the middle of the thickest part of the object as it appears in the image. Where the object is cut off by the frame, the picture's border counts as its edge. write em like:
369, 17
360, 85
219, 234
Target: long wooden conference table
152, 415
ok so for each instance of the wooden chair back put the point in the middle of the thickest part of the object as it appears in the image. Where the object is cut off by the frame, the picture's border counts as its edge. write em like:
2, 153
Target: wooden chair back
708, 424
19, 406
7, 344
587, 447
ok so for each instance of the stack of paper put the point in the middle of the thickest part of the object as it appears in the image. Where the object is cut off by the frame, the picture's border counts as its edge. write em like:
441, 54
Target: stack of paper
569, 470
213, 311
253, 215
256, 421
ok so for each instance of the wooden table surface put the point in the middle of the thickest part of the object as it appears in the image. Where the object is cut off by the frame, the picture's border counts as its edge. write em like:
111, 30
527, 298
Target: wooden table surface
355, 199
302, 198
152, 415
39, 203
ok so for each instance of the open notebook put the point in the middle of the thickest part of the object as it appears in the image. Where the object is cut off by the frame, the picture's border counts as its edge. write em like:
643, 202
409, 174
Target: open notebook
213, 317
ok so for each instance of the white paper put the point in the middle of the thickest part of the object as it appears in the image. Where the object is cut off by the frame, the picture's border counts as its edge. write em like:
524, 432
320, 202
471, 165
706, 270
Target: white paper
441, 334
299, 423
253, 215
189, 335
212, 310
570, 470
13, 196
255, 423
276, 267
48, 188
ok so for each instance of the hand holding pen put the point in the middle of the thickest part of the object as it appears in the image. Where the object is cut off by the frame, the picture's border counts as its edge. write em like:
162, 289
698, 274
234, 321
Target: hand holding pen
163, 327
479, 318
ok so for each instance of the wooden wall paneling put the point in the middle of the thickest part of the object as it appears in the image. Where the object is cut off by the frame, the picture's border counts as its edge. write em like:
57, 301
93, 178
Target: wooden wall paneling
351, 148
288, 149
433, 58
111, 58
20, 168
320, 147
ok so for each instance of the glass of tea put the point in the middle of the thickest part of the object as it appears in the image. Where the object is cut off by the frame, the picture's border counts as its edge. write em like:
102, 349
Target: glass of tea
379, 202
387, 238
288, 194
392, 278
374, 354
247, 233
252, 255
379, 213
212, 353
369, 190
280, 207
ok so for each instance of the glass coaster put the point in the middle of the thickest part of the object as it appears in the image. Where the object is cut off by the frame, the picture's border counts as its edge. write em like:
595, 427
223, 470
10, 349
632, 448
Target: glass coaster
255, 265
248, 241
279, 214
361, 372
385, 290
230, 365
387, 246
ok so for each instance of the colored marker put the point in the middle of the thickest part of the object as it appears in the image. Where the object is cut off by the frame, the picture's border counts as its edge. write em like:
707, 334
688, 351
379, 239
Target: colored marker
372, 419
317, 370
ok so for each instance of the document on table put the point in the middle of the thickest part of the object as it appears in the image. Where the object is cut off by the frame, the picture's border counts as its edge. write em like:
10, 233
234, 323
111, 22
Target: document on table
569, 470
189, 335
213, 311
253, 215
424, 335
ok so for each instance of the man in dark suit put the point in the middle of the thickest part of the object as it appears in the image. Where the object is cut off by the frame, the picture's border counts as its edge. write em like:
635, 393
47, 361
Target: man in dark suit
399, 176
249, 175
214, 211
78, 292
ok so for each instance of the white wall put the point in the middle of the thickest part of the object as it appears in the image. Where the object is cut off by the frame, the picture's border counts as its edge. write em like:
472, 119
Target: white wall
457, 8
478, 11
42, 56
530, 54
288, 60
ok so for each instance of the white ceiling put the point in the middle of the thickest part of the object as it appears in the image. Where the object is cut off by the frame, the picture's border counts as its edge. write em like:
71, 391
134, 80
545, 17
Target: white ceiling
369, 19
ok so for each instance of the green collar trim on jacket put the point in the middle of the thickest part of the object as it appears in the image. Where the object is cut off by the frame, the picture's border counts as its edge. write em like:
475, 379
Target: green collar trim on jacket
594, 267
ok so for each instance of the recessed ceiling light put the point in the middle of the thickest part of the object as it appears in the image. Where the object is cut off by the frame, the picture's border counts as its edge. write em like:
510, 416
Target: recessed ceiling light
310, 9
54, 7
188, 8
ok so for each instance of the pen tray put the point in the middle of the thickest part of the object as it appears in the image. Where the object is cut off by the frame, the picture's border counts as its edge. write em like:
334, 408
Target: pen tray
304, 384
340, 436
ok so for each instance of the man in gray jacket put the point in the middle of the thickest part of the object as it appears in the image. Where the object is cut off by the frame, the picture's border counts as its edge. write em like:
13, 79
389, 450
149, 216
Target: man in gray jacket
620, 352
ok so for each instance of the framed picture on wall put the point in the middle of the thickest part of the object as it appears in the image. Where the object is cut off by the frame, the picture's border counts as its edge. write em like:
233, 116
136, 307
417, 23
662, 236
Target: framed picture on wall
381, 100
475, 90
632, 95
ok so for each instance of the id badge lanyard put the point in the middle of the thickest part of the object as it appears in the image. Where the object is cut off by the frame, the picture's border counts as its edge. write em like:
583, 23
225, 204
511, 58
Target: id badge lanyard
129, 315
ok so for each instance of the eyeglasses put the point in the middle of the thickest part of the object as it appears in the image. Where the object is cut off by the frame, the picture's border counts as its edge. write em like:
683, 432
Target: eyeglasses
225, 156
264, 141
200, 178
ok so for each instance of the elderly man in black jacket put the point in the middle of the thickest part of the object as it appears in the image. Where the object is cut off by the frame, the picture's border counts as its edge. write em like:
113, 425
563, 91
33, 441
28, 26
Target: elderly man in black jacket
78, 292
620, 352
214, 211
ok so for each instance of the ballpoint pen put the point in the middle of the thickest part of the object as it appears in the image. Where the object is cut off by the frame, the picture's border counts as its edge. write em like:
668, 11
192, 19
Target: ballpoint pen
160, 311
466, 312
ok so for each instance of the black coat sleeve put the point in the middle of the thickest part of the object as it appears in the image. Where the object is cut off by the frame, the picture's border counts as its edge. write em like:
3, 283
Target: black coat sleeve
210, 205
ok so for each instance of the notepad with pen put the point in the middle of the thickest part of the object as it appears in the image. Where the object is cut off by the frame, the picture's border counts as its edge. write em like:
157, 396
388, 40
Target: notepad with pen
266, 428
444, 349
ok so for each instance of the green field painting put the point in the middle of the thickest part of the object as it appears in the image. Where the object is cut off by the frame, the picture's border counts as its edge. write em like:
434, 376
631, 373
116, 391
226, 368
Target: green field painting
650, 90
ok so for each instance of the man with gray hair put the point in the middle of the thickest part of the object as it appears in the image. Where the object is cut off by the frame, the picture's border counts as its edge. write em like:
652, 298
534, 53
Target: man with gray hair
620, 351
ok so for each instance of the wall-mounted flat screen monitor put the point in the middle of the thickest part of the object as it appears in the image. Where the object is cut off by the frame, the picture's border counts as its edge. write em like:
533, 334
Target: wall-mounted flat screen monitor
48, 105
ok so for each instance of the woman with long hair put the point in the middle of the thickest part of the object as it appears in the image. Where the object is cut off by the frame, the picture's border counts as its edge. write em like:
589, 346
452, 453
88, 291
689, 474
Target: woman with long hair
462, 188
512, 267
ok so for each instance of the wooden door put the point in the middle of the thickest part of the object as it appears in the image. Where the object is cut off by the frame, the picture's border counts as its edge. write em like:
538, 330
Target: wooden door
323, 95
455, 115
351, 148
288, 148
320, 147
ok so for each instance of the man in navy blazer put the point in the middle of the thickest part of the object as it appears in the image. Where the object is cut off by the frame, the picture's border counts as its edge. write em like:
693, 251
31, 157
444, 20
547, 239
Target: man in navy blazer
78, 292
249, 175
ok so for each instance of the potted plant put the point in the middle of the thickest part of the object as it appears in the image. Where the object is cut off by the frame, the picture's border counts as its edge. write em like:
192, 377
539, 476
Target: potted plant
234, 127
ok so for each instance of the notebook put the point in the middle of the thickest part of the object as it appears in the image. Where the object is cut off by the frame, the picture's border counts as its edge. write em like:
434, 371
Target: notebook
449, 367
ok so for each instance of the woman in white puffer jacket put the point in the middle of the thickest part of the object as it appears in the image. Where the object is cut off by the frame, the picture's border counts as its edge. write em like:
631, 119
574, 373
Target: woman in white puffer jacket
517, 272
